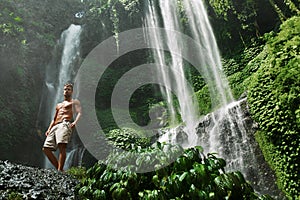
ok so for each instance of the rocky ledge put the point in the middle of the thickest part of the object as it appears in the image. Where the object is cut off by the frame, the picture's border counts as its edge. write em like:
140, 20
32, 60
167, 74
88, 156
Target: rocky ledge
24, 182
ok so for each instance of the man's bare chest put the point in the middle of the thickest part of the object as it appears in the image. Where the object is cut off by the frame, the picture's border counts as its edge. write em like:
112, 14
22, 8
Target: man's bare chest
65, 105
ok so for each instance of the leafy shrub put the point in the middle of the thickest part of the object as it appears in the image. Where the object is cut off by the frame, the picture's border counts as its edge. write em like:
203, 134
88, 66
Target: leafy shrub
204, 100
126, 138
191, 176
240, 69
274, 103
12, 195
77, 172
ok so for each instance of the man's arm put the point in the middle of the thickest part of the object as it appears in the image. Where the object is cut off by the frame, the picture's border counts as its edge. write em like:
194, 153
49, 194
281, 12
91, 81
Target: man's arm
77, 107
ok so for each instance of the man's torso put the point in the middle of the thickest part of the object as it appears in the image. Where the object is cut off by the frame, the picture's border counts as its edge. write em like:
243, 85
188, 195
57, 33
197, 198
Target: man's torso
64, 111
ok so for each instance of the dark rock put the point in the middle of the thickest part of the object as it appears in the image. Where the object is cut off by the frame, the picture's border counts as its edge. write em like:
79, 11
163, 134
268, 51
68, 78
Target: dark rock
35, 183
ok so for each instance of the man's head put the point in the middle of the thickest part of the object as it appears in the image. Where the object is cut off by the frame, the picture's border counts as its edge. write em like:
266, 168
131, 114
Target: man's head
68, 90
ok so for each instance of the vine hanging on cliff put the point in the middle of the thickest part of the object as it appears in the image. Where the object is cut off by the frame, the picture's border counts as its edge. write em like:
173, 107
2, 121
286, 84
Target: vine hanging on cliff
114, 17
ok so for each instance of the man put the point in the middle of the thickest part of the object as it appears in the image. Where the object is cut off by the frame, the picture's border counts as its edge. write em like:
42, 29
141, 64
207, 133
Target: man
60, 129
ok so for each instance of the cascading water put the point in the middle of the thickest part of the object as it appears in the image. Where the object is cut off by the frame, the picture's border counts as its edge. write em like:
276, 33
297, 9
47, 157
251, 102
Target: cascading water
60, 70
208, 58
188, 111
227, 134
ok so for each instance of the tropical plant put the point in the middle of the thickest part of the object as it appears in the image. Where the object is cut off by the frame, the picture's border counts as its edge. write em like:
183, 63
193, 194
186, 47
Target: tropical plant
191, 176
127, 138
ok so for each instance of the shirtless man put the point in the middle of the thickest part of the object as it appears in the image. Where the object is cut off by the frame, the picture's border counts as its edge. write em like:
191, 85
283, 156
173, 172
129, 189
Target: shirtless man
60, 129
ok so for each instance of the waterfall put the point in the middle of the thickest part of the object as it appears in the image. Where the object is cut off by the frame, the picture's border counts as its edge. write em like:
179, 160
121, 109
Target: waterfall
61, 69
70, 39
175, 67
227, 134
74, 158
207, 58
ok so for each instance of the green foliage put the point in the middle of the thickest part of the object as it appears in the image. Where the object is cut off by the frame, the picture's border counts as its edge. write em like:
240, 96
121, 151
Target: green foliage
204, 100
277, 9
106, 120
292, 6
110, 17
222, 7
289, 9
131, 5
146, 106
10, 23
77, 172
14, 196
47, 39
191, 176
274, 97
127, 138
22, 21
235, 22
241, 68
246, 57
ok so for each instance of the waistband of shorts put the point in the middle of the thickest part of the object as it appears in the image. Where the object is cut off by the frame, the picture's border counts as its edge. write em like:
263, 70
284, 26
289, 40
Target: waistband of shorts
64, 121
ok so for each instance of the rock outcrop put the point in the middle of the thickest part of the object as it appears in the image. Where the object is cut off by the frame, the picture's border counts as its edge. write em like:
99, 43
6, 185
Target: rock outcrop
24, 182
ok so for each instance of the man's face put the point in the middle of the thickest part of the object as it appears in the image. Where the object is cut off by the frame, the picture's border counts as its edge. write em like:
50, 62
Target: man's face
68, 91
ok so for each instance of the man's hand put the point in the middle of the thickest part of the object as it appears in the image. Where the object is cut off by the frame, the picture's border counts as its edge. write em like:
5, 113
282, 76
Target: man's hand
72, 125
47, 132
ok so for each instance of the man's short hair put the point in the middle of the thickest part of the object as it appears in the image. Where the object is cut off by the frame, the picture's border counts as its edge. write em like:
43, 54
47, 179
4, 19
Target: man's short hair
69, 85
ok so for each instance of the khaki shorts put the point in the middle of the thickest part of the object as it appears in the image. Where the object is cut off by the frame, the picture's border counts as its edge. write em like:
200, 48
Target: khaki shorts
60, 133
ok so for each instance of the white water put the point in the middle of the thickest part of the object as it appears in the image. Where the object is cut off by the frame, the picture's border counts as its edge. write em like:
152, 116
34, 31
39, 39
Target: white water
60, 71
74, 157
208, 59
70, 40
173, 75
226, 134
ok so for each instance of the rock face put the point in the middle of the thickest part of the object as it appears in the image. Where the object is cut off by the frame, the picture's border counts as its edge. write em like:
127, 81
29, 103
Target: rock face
34, 183
229, 132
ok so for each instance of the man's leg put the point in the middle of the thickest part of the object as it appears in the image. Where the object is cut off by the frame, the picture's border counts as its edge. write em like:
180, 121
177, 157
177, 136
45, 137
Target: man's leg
62, 156
50, 156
